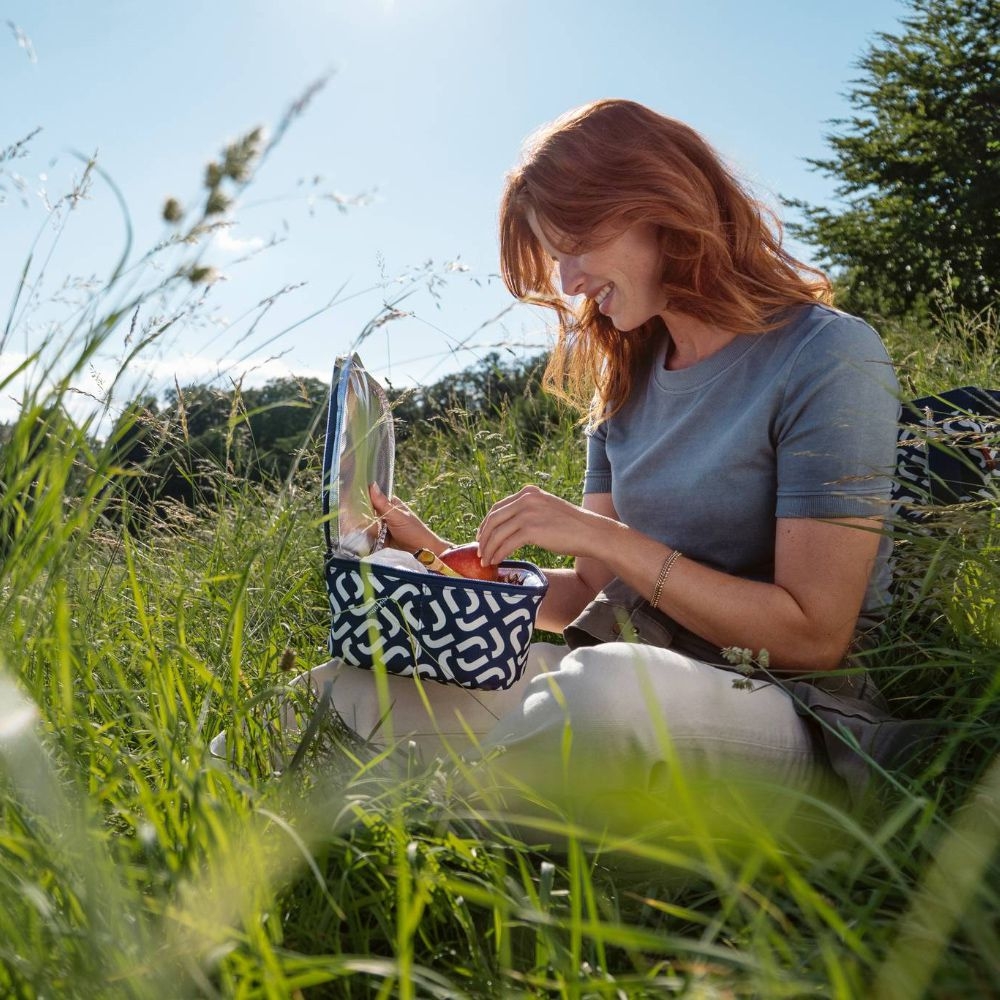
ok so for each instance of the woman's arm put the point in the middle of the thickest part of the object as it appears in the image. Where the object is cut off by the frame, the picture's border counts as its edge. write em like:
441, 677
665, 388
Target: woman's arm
805, 619
570, 590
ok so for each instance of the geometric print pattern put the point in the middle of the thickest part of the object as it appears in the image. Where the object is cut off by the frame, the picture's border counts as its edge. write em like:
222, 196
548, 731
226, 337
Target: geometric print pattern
475, 633
947, 452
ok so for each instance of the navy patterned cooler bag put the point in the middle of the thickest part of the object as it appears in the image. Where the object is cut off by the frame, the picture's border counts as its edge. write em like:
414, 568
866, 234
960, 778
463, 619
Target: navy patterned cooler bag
947, 452
475, 633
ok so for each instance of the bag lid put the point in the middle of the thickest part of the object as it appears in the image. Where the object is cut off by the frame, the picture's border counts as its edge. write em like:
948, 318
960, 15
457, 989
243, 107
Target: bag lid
359, 450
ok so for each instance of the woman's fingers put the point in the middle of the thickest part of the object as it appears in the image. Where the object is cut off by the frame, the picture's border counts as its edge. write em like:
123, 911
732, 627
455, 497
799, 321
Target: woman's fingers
391, 511
509, 507
501, 541
496, 531
379, 500
406, 530
529, 517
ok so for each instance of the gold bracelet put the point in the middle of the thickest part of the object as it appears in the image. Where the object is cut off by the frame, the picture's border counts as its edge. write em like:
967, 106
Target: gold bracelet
665, 569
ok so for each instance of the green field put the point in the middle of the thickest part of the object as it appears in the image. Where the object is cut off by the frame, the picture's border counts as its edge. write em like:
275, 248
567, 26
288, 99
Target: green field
132, 867
134, 628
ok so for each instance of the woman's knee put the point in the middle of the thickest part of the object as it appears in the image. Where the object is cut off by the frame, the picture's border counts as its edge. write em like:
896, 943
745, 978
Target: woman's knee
623, 702
611, 684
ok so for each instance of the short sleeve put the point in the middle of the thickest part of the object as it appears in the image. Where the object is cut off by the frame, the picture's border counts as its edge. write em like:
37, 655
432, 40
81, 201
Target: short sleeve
598, 475
836, 428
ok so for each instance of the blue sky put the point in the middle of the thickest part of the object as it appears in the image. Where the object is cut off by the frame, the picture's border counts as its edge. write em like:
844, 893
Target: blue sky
425, 109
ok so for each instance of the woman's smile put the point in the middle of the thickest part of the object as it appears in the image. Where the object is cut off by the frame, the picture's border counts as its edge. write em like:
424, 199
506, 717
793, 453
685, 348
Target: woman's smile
602, 296
622, 275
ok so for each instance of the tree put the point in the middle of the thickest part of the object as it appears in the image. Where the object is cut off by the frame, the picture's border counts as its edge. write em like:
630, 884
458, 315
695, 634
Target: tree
481, 390
284, 415
185, 449
918, 166
41, 454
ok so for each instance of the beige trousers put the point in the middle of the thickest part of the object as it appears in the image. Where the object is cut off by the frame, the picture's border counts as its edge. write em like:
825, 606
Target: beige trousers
610, 733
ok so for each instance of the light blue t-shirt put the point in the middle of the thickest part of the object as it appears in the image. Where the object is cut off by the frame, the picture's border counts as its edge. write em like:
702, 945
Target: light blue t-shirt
797, 422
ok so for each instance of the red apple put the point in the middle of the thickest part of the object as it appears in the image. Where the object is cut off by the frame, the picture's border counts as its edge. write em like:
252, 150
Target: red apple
464, 559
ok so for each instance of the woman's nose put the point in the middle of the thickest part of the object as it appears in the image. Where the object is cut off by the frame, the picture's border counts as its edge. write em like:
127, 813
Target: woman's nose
571, 275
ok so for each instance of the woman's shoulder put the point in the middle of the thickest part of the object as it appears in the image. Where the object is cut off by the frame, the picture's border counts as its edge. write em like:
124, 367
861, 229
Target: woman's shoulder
819, 331
840, 356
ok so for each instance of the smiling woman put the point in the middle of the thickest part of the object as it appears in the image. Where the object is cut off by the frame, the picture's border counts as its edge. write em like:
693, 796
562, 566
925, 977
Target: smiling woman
689, 244
741, 435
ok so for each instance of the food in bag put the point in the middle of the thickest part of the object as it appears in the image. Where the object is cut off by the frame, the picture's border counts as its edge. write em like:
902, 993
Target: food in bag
465, 560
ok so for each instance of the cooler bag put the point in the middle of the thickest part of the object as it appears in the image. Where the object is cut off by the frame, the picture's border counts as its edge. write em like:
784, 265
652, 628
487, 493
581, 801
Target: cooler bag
475, 633
948, 451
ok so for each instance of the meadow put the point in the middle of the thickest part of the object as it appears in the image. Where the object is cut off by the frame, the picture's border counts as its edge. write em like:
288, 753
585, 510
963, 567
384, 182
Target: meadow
133, 865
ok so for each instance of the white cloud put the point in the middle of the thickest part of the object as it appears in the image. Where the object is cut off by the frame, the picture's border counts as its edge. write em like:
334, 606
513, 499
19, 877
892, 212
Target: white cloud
196, 367
226, 243
10, 362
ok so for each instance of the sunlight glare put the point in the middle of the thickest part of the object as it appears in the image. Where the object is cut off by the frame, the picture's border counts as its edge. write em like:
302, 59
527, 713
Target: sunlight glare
16, 713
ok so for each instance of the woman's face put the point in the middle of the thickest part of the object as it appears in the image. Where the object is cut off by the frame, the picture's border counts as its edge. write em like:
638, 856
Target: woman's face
622, 276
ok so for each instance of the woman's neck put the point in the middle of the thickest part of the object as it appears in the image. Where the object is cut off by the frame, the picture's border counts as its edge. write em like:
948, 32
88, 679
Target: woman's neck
692, 340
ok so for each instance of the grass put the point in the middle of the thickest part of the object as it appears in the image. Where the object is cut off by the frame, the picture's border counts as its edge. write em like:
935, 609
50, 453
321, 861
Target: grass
131, 865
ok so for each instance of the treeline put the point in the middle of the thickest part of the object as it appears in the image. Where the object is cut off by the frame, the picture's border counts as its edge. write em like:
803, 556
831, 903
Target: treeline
184, 447
482, 390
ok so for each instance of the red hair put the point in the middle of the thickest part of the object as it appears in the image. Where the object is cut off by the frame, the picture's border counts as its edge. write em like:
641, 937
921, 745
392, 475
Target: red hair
605, 167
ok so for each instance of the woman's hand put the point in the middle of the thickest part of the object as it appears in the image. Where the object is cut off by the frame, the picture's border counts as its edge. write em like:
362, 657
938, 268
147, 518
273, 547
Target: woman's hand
406, 530
534, 517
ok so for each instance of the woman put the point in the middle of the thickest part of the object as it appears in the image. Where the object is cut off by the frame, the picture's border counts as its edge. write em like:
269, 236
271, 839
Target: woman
741, 435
